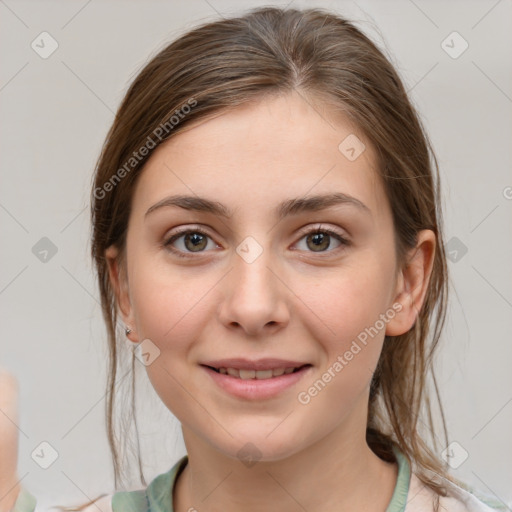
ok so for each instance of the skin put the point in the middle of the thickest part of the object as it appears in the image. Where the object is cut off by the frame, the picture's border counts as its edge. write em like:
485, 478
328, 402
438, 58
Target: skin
9, 439
291, 302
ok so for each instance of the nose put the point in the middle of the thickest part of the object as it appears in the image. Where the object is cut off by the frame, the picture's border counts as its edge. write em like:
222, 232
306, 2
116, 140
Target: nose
255, 296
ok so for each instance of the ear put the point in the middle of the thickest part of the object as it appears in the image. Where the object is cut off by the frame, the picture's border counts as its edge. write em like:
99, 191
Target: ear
119, 281
412, 283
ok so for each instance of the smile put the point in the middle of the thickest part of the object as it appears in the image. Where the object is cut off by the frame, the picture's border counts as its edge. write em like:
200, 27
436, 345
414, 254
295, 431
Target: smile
261, 384
256, 374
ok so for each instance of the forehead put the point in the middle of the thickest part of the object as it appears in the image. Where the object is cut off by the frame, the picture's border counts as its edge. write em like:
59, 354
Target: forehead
258, 154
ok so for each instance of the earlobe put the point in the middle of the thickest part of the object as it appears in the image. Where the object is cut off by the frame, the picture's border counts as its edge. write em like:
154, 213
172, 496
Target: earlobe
412, 283
118, 281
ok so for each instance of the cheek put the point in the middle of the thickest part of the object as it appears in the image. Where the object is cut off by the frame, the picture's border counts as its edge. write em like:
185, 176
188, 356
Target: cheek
346, 302
172, 306
343, 315
165, 311
168, 311
345, 321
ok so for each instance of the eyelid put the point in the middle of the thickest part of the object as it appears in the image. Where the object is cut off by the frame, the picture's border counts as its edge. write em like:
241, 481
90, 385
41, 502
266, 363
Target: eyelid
324, 229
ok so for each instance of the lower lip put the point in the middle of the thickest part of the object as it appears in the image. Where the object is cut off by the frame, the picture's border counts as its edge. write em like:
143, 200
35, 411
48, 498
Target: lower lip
256, 389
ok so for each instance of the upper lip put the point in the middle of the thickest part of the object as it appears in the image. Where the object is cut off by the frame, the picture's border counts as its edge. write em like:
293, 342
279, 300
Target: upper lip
254, 364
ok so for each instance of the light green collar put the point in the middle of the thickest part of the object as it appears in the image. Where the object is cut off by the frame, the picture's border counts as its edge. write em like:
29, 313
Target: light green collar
399, 498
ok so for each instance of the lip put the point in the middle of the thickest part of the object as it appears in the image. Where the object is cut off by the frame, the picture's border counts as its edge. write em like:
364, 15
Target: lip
256, 389
255, 364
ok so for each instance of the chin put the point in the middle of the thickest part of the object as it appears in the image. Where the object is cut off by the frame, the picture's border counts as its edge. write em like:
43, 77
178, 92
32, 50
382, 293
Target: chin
255, 445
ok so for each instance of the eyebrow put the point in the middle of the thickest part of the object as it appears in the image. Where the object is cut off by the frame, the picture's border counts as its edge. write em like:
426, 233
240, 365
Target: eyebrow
289, 207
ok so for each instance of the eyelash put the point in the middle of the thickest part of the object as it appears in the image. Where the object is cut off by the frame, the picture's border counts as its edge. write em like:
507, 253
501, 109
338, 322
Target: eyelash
318, 230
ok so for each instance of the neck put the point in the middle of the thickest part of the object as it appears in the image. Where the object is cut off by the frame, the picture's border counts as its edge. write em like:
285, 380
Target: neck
336, 473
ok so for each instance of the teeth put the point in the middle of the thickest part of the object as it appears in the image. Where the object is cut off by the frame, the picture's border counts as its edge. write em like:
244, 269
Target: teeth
255, 374
247, 374
263, 374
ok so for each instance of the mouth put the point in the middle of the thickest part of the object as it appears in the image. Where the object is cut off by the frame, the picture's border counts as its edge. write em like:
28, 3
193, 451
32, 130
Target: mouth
249, 374
269, 380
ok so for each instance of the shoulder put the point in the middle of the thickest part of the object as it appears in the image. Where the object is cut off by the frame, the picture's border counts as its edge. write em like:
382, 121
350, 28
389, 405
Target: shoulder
103, 504
157, 496
422, 499
26, 502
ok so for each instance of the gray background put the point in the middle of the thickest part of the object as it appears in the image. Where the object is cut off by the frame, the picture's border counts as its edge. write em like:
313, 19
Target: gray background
55, 113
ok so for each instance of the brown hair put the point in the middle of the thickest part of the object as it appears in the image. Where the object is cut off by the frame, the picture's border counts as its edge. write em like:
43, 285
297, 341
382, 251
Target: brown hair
221, 65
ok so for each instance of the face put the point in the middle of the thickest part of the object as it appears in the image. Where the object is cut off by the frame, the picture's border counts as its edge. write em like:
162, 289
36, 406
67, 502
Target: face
303, 287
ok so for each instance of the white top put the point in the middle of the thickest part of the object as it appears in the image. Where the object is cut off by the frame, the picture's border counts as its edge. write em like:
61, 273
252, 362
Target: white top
421, 498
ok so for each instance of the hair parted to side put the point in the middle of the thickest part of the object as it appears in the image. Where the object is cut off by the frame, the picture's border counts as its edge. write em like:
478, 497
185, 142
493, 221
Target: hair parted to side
227, 63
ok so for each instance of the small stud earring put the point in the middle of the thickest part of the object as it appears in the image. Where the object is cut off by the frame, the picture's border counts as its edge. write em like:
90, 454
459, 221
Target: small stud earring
127, 331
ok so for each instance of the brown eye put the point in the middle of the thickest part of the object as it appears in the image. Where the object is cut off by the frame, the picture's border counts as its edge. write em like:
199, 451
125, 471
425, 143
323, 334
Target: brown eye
193, 240
320, 240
